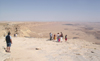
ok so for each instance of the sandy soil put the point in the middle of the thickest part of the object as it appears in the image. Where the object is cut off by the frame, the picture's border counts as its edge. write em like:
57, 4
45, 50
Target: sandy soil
24, 49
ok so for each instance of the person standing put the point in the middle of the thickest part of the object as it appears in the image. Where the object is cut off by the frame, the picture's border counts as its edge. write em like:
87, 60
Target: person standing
16, 34
58, 39
8, 41
65, 38
50, 36
54, 37
61, 36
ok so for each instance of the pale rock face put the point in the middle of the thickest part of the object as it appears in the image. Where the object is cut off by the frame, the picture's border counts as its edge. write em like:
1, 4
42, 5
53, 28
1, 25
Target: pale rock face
39, 49
75, 30
32, 41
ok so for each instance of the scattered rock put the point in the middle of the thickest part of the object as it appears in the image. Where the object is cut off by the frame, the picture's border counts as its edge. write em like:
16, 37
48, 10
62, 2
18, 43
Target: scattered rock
95, 48
93, 43
75, 37
92, 52
77, 54
38, 48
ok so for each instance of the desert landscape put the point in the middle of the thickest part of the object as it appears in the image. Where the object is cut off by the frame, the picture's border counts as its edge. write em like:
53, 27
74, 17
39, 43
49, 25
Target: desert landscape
33, 44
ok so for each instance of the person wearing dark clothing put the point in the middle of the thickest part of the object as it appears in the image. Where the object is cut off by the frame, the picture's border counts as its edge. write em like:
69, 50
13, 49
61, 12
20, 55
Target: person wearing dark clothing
8, 41
50, 36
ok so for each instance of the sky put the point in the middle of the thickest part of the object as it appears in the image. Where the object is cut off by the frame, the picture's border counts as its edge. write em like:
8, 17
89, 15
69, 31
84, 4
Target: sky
50, 10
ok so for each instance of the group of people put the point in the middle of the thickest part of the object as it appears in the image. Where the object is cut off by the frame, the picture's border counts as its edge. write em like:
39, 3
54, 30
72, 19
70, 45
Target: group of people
59, 37
15, 35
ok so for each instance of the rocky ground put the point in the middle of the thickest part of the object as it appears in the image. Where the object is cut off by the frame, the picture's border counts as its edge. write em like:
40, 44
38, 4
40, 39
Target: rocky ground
42, 49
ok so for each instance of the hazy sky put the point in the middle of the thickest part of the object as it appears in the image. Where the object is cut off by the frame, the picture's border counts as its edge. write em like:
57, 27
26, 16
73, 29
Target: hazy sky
50, 10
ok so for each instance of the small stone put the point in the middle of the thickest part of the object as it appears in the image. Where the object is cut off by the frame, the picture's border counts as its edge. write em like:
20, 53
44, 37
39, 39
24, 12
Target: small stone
95, 48
38, 48
92, 52
77, 54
